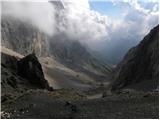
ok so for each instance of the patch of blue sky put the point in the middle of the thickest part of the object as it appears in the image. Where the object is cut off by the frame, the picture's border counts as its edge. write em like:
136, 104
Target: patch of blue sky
107, 8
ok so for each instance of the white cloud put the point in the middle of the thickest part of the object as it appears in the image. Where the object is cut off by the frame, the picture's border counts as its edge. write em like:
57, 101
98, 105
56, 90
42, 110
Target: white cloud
78, 22
139, 20
39, 14
127, 32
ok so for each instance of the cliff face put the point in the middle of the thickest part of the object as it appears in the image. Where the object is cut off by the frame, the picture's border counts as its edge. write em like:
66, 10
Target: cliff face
22, 37
140, 67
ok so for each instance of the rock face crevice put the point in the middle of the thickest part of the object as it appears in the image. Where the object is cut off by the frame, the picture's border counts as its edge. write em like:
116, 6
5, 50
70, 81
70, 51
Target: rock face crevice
140, 67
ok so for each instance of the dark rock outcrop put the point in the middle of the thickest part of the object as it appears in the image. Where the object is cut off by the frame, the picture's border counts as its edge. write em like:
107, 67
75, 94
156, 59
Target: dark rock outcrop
8, 61
30, 69
140, 67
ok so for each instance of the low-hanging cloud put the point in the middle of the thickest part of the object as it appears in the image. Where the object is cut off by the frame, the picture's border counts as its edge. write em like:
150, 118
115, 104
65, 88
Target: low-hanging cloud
39, 14
138, 19
76, 21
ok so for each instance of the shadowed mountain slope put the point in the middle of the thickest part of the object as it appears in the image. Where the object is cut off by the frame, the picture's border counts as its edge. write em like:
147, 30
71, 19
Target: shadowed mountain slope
140, 67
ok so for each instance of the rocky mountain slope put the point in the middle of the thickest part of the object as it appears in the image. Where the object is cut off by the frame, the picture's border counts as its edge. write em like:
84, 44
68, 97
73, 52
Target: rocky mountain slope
139, 69
21, 97
66, 63
21, 37
49, 77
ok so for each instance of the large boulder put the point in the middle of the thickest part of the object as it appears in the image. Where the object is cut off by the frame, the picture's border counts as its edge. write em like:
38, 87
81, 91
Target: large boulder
30, 68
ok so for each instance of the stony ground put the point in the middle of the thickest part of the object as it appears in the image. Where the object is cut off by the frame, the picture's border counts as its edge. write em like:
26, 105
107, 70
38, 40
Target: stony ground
74, 105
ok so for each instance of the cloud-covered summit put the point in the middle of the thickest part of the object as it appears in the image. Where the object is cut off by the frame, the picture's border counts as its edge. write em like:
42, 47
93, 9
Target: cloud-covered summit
77, 21
39, 14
